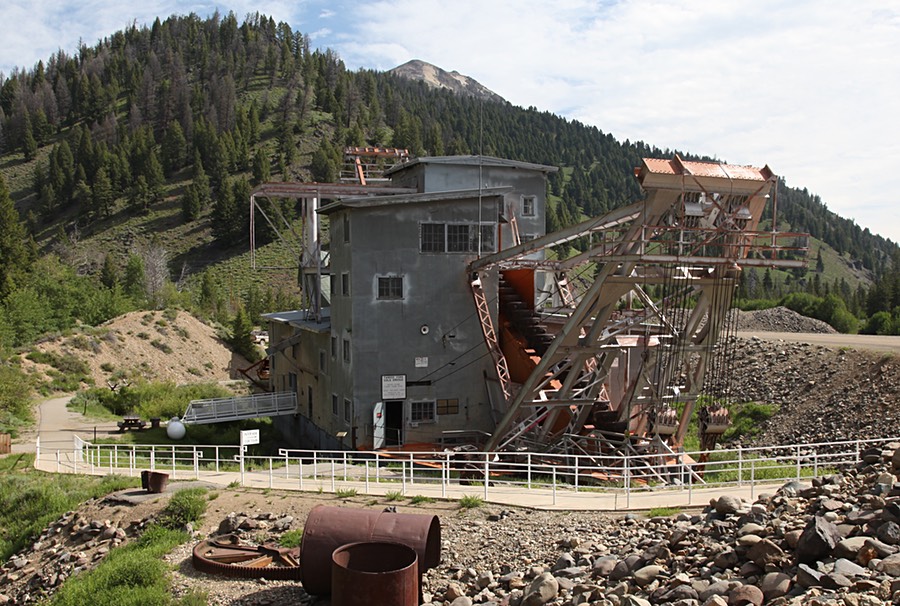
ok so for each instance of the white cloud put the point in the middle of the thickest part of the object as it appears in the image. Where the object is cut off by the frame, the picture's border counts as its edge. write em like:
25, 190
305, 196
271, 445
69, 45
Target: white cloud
806, 86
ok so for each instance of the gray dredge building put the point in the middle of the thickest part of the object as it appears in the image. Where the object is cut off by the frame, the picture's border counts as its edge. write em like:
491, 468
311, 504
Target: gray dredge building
390, 351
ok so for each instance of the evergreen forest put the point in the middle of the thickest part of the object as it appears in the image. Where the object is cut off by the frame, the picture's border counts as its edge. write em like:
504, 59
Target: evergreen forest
126, 167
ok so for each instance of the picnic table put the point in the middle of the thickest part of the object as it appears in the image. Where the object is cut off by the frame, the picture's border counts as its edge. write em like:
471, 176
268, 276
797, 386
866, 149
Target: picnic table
131, 422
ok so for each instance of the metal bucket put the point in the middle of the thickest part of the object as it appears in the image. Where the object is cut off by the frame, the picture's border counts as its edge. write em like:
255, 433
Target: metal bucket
328, 528
364, 574
156, 481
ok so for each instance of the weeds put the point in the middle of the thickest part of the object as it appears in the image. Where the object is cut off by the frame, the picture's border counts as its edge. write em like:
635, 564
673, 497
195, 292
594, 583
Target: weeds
186, 506
393, 495
345, 493
291, 538
663, 512
416, 500
470, 502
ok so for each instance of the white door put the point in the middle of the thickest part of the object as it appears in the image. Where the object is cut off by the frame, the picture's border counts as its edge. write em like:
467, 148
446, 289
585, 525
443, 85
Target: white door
378, 424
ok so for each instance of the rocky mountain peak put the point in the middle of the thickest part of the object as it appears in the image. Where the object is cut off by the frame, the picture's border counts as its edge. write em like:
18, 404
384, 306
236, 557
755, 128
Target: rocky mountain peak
435, 77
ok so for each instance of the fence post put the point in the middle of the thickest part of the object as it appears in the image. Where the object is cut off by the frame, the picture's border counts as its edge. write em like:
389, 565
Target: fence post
217, 459
798, 463
856, 455
287, 474
411, 469
529, 471
270, 472
173, 462
690, 488
487, 475
196, 464
333, 487
57, 461
740, 465
153, 458
627, 485
403, 476
367, 476
576, 473
377, 468
445, 475
554, 484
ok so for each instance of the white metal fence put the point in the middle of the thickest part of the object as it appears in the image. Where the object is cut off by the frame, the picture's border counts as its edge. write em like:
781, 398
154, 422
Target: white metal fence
540, 479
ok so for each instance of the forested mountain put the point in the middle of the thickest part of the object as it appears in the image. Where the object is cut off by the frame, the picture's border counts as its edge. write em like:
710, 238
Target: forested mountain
156, 134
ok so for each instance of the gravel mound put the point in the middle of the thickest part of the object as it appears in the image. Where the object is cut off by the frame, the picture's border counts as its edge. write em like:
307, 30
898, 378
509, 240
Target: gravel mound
780, 319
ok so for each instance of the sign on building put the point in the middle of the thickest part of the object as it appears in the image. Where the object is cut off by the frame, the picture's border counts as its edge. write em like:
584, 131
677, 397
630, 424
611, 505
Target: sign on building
393, 387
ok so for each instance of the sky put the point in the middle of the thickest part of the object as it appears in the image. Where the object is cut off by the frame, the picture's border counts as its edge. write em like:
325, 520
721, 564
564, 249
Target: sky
809, 87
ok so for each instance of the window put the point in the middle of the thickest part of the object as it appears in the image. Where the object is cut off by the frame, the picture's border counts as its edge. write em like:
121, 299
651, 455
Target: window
448, 407
390, 287
528, 206
345, 284
322, 358
421, 412
331, 286
334, 404
457, 237
432, 237
346, 227
347, 350
348, 406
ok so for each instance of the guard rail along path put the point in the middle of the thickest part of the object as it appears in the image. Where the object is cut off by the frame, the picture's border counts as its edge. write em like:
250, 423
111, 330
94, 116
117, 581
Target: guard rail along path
533, 479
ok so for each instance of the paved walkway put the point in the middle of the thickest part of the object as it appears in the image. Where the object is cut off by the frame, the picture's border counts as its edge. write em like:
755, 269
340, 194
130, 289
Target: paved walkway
57, 427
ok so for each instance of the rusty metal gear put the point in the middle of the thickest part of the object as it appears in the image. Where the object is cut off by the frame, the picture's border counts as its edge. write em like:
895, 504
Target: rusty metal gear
227, 556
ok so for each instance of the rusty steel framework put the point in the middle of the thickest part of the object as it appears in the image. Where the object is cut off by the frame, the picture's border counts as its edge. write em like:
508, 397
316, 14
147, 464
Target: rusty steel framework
623, 339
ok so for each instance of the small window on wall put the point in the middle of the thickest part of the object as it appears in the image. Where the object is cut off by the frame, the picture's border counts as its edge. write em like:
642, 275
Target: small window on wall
334, 350
421, 412
390, 287
345, 284
348, 407
528, 206
346, 227
322, 358
334, 404
347, 351
448, 407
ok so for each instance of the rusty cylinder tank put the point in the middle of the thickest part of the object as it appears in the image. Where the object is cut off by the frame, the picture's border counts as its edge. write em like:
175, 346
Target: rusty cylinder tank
328, 528
364, 574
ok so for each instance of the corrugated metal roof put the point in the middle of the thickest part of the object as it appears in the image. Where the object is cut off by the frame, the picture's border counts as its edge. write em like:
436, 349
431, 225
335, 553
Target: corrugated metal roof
437, 196
677, 166
470, 161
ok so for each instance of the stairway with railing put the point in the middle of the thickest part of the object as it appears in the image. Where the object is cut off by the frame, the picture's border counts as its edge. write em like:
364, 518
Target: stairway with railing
220, 410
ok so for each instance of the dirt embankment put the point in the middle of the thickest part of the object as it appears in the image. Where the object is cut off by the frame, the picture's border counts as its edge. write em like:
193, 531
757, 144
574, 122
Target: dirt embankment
155, 345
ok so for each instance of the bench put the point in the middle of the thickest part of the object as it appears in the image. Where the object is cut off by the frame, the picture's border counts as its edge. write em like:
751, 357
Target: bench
131, 422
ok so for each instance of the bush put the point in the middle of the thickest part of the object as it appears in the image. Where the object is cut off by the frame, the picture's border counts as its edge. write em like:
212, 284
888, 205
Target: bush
163, 400
186, 506
470, 502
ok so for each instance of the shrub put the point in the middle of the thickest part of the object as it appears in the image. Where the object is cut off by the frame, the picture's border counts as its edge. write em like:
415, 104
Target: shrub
291, 538
345, 493
186, 505
393, 495
470, 502
420, 499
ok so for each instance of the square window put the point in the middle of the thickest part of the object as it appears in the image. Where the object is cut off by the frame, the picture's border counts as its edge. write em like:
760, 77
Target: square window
458, 238
345, 284
432, 238
448, 407
528, 206
347, 350
390, 287
348, 406
421, 412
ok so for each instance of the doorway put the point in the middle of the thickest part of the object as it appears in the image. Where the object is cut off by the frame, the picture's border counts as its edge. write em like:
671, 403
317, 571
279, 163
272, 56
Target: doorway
393, 425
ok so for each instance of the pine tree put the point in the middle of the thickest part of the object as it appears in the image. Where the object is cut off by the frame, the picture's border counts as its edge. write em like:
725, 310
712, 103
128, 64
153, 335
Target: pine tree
29, 145
15, 260
109, 275
133, 282
261, 171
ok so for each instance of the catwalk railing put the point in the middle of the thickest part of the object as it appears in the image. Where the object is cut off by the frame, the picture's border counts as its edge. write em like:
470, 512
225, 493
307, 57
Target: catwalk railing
492, 476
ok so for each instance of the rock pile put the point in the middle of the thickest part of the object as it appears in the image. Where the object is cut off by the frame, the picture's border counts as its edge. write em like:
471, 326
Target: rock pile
780, 319
834, 541
70, 545
823, 394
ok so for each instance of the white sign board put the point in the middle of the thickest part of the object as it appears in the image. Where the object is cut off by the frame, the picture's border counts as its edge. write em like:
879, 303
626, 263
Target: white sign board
249, 436
421, 361
393, 387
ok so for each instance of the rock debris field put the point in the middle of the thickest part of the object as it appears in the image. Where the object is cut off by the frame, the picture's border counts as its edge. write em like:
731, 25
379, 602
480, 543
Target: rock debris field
832, 541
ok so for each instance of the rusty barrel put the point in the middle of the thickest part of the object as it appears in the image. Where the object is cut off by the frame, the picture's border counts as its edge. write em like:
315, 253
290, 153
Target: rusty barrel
369, 573
154, 481
328, 528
